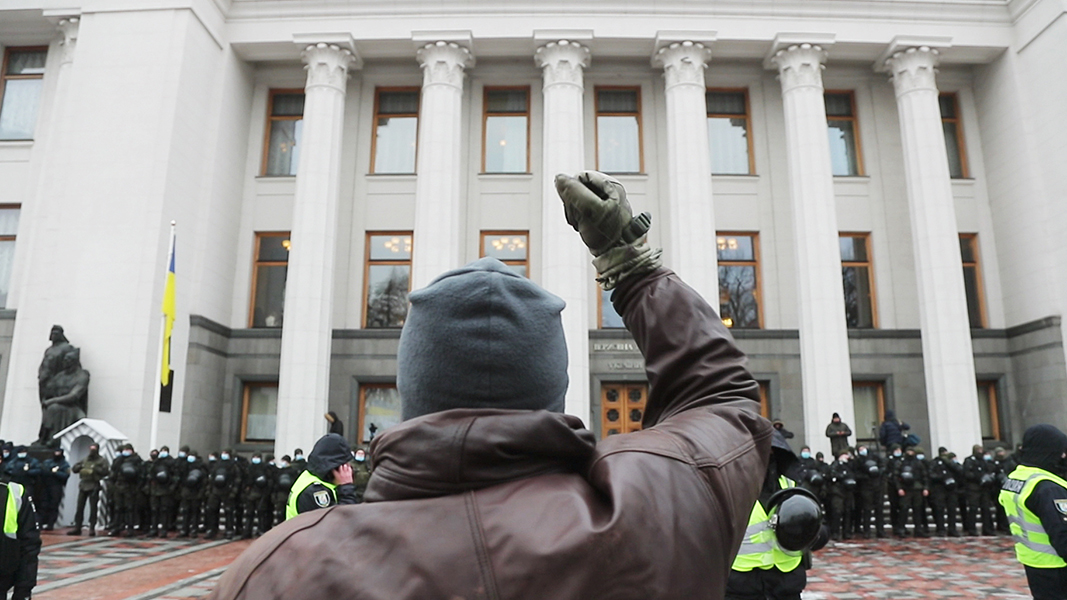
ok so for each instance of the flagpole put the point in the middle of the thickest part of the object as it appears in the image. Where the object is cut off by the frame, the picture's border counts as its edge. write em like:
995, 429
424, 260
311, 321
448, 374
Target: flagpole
159, 357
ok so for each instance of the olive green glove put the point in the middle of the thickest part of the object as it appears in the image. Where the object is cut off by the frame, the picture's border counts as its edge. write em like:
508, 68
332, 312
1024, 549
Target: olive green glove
596, 206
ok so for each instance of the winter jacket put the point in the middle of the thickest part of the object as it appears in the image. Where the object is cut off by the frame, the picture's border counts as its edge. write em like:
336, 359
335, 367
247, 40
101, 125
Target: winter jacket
491, 503
18, 555
91, 472
838, 434
892, 431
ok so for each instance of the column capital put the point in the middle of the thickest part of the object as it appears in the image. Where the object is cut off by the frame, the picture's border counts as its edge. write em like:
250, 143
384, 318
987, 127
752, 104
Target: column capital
913, 69
800, 65
68, 28
327, 65
683, 63
562, 62
443, 63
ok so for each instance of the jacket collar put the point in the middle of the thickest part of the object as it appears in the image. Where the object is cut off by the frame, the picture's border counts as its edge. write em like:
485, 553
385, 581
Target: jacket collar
469, 449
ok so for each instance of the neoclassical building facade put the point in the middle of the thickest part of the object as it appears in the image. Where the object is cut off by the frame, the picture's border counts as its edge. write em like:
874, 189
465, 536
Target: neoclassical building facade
871, 192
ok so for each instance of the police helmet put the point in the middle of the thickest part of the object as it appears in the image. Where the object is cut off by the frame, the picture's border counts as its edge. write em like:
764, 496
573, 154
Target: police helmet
796, 517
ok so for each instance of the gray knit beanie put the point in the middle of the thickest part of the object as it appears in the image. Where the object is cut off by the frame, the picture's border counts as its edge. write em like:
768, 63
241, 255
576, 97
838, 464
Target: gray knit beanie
482, 336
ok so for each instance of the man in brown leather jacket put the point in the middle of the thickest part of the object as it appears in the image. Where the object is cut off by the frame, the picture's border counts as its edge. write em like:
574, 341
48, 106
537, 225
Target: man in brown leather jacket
487, 490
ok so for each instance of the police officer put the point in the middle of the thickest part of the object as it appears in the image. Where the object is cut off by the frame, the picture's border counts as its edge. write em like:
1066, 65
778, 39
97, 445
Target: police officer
1000, 473
763, 568
361, 472
977, 477
299, 462
912, 487
162, 488
224, 483
20, 541
23, 469
194, 477
1034, 496
869, 470
54, 474
285, 476
126, 478
327, 480
945, 477
892, 468
91, 472
256, 494
840, 492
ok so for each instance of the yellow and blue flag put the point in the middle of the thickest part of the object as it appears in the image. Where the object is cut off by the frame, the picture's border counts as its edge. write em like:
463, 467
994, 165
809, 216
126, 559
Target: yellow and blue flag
169, 314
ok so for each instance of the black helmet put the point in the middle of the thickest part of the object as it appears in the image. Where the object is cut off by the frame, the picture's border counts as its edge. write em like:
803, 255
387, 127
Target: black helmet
872, 468
850, 483
950, 483
796, 518
815, 478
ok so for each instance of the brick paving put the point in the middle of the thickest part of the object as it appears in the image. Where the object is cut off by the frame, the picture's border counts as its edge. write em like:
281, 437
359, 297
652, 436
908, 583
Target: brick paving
103, 568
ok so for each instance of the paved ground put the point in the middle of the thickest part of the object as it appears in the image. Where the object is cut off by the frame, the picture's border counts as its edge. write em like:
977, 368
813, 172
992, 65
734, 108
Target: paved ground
102, 568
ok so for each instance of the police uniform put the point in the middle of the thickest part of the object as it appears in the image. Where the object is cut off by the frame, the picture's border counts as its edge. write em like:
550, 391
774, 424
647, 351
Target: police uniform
313, 488
911, 479
126, 480
20, 541
284, 478
91, 472
1034, 498
869, 471
256, 493
945, 477
191, 487
223, 484
978, 477
162, 488
54, 475
842, 486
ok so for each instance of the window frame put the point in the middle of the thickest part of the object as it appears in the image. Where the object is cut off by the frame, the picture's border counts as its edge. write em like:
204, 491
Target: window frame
861, 171
10, 238
994, 410
374, 126
748, 124
525, 263
367, 265
485, 120
743, 263
600, 309
866, 235
764, 398
5, 76
271, 118
246, 393
361, 406
958, 121
880, 393
640, 126
256, 263
979, 283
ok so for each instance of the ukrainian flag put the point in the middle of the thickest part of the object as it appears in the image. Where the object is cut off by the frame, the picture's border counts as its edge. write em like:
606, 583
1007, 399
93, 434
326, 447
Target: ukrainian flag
169, 314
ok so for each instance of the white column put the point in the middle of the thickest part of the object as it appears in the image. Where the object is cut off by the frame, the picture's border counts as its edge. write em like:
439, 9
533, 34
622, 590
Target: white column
692, 216
824, 357
303, 381
564, 259
948, 360
438, 207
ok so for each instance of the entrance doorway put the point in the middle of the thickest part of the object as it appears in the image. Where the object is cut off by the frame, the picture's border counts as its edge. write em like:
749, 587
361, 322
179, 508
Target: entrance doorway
622, 406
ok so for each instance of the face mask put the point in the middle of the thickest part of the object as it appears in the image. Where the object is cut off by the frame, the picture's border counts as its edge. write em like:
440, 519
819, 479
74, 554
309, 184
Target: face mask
863, 452
283, 464
211, 459
225, 457
299, 457
987, 457
360, 457
22, 455
805, 455
920, 456
190, 458
127, 453
6, 453
164, 454
843, 458
181, 454
896, 453
256, 461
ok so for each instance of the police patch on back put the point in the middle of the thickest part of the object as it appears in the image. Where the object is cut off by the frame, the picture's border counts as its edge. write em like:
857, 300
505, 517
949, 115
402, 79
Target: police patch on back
322, 499
1061, 505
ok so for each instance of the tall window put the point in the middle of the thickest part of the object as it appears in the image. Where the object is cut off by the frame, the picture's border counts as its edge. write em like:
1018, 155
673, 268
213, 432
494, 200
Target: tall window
9, 226
268, 279
856, 275
953, 126
285, 120
388, 279
868, 402
622, 406
972, 279
396, 130
21, 81
379, 409
259, 413
988, 412
845, 154
764, 399
507, 130
739, 279
729, 132
509, 247
618, 130
607, 316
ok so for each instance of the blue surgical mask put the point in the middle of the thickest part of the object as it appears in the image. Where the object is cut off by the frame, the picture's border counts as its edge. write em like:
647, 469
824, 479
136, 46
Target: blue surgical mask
920, 456
805, 455
863, 452
22, 455
181, 454
127, 453
225, 457
897, 453
988, 457
299, 457
211, 459
190, 458
164, 454
256, 461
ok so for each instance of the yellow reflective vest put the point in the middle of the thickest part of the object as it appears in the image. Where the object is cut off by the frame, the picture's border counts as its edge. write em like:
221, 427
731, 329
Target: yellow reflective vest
11, 511
1032, 546
760, 549
306, 478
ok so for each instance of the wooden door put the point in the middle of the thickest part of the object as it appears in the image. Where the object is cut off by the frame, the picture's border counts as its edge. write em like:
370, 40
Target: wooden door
622, 406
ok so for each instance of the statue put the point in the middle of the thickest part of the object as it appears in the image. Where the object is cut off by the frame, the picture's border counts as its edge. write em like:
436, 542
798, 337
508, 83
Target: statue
63, 386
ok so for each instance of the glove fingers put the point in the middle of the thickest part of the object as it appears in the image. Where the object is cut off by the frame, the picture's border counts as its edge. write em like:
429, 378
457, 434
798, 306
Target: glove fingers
577, 197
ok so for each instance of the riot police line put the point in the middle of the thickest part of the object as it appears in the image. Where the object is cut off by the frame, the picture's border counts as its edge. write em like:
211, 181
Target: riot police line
222, 493
906, 492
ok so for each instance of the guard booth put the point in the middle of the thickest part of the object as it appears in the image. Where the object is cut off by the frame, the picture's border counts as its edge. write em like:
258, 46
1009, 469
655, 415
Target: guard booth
75, 441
